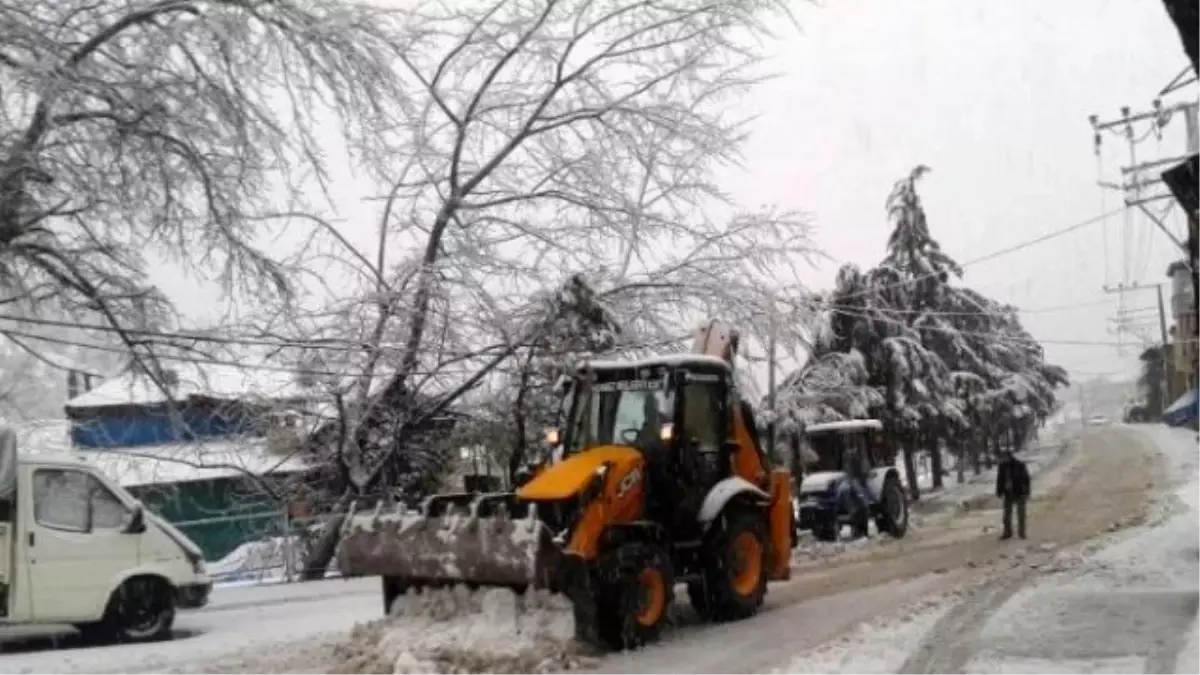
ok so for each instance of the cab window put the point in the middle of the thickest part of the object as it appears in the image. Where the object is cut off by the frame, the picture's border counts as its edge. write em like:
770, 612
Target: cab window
702, 415
61, 499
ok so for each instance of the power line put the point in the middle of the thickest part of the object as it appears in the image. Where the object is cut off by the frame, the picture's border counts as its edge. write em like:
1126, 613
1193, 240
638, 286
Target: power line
999, 253
1018, 310
203, 360
998, 337
324, 344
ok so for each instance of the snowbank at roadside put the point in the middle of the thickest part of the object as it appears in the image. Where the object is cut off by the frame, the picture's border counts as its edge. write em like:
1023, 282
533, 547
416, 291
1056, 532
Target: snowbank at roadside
460, 631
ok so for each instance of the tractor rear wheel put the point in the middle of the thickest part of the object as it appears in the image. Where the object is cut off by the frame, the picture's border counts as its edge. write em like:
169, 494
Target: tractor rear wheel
735, 577
632, 606
893, 508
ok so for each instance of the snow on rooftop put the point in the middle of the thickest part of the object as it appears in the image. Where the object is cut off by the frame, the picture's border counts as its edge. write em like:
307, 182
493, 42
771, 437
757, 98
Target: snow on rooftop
161, 464
217, 381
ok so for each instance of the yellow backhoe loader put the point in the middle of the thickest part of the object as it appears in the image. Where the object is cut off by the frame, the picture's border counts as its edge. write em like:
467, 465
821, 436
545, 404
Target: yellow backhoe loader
660, 479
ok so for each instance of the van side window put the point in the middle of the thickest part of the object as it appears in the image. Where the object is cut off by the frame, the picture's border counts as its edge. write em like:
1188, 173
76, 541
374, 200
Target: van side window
60, 501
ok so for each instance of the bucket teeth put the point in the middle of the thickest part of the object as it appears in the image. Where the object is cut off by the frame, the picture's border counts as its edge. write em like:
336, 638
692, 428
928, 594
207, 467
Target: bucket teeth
483, 540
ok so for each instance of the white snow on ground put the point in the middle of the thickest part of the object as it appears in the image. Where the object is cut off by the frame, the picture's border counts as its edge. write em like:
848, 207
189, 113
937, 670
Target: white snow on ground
1115, 666
874, 647
457, 630
1110, 598
262, 561
254, 619
1095, 613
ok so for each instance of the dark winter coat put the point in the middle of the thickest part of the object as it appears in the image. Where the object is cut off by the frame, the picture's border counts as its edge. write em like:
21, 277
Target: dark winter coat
1012, 479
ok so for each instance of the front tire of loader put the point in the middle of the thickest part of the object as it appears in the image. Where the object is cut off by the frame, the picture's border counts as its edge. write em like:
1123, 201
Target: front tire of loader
735, 580
632, 606
392, 589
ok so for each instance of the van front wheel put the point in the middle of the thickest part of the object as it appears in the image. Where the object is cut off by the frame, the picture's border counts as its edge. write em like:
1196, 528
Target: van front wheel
141, 610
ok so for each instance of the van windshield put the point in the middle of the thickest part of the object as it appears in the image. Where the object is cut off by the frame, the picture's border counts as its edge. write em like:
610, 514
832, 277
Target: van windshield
621, 412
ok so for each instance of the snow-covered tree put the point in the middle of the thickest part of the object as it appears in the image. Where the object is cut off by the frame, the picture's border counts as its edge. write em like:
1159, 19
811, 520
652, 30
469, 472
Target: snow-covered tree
572, 323
926, 271
135, 131
946, 364
546, 138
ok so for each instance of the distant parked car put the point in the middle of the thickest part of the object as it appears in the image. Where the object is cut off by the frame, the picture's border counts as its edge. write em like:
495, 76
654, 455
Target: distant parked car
1098, 420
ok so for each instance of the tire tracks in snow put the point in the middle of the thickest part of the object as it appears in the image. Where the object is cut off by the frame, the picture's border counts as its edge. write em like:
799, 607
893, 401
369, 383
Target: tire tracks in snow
1107, 491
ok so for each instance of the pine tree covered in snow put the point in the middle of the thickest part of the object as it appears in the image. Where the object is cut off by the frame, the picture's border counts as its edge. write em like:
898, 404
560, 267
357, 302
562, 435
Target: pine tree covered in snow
925, 270
936, 362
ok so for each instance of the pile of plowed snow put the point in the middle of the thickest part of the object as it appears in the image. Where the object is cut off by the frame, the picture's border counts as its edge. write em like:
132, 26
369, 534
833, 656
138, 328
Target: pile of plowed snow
462, 631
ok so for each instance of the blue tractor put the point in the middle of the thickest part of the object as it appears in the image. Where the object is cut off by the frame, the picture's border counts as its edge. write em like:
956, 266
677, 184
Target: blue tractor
850, 479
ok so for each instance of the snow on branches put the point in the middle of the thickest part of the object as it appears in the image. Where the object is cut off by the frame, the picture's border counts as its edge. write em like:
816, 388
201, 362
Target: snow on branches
938, 363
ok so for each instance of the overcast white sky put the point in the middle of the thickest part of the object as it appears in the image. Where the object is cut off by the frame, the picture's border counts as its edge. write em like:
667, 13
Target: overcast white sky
994, 97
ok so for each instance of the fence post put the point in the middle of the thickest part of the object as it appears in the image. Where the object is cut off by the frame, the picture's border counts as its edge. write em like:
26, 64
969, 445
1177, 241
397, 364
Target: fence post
287, 546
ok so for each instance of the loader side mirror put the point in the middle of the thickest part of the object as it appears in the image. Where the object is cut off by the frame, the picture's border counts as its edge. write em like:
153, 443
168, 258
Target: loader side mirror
553, 437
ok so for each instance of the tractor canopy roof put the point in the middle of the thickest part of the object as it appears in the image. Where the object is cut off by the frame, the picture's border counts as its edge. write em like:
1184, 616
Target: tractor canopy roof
844, 427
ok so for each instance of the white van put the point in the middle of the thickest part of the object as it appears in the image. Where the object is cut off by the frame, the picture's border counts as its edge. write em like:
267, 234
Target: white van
76, 548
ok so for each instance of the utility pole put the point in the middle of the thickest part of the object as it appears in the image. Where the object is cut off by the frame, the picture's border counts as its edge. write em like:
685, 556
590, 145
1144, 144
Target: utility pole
1082, 410
1162, 328
1132, 185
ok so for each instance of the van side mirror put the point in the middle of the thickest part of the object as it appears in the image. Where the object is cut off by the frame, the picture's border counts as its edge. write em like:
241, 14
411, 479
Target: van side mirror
137, 520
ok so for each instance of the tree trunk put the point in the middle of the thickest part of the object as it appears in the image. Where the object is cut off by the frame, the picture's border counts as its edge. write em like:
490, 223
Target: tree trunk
910, 472
316, 563
990, 444
961, 463
935, 461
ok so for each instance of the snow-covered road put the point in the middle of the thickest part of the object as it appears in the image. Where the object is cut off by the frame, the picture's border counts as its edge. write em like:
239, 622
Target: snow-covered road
239, 619
1050, 604
1124, 603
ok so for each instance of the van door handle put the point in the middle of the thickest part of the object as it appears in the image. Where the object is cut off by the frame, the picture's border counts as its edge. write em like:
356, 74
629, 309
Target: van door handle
31, 539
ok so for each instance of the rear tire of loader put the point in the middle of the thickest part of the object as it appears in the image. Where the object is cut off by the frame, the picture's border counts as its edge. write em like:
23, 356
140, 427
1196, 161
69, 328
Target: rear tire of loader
735, 580
632, 606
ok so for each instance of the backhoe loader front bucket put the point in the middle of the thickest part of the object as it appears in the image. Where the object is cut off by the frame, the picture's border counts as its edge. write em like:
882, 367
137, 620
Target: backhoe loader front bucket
452, 539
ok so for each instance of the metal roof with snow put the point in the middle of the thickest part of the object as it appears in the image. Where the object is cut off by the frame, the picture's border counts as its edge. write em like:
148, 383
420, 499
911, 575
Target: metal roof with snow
161, 464
214, 381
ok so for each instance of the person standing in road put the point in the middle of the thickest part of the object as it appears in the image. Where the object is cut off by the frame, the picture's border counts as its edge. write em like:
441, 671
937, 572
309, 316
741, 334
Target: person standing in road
1012, 485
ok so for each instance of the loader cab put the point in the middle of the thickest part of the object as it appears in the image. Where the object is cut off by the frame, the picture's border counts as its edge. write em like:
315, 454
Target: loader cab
675, 411
681, 403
